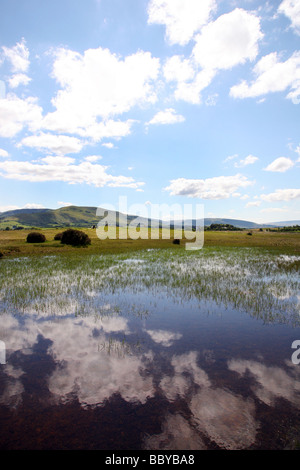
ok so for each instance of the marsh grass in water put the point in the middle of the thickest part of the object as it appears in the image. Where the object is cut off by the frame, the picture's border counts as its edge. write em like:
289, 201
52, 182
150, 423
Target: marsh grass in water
261, 282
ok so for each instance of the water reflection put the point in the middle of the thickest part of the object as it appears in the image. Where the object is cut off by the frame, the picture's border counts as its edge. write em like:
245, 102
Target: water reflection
177, 434
270, 382
203, 399
226, 418
154, 352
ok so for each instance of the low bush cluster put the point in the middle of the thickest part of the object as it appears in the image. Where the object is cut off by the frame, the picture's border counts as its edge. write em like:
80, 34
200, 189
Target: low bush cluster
75, 238
36, 237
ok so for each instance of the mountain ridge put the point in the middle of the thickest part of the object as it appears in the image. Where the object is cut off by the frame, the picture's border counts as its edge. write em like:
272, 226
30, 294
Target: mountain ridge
85, 216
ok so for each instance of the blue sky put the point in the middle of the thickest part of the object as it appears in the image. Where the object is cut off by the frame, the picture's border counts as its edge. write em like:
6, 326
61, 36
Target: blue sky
157, 101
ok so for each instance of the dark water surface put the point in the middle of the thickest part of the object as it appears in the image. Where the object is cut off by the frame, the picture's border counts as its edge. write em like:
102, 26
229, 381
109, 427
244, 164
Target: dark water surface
149, 371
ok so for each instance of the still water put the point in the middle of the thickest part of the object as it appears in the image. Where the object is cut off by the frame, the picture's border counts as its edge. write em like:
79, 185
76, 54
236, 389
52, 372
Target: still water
143, 367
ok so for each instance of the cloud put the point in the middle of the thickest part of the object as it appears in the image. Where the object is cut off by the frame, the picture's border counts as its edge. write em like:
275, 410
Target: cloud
177, 433
17, 113
291, 9
230, 40
253, 204
220, 187
29, 205
93, 158
18, 56
181, 18
281, 195
231, 157
96, 131
271, 383
108, 145
33, 206
163, 337
99, 85
168, 116
60, 160
211, 100
228, 419
280, 164
272, 76
190, 91
3, 153
65, 204
64, 169
247, 161
274, 209
178, 69
98, 374
19, 79
8, 208
54, 143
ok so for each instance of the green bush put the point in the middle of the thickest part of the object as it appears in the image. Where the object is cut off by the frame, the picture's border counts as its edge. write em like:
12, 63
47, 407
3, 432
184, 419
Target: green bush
58, 236
36, 237
75, 238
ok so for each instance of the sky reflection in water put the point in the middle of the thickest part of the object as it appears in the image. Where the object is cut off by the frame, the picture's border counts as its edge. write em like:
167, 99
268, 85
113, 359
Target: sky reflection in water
194, 374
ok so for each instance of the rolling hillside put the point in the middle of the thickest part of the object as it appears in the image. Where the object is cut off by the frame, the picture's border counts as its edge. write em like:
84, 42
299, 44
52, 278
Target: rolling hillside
77, 216
70, 216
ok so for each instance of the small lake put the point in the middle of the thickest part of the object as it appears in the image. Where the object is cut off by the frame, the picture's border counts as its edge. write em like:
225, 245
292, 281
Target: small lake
155, 350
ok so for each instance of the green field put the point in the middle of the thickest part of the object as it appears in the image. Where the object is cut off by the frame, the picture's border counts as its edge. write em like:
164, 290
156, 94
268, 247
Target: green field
13, 242
119, 316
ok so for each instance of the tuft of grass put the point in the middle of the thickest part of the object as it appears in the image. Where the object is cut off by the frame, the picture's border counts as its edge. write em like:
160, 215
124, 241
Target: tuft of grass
262, 282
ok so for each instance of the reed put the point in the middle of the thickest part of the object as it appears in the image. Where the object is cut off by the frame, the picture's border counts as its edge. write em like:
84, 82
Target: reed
260, 282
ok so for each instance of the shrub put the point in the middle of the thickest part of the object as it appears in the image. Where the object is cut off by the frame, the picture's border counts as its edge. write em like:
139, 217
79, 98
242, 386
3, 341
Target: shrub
36, 237
249, 233
1, 254
176, 241
75, 238
58, 236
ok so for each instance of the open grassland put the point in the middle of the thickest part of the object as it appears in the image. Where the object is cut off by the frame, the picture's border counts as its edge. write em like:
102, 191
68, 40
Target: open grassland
13, 242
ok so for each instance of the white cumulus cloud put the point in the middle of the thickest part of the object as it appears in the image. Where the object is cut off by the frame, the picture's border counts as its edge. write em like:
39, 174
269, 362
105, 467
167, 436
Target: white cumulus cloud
18, 56
220, 187
17, 113
168, 116
230, 40
280, 164
3, 153
97, 85
249, 160
272, 75
55, 143
181, 18
291, 9
18, 79
64, 169
281, 195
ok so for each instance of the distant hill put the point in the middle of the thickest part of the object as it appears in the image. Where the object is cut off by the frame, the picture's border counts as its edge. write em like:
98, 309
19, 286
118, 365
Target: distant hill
70, 216
287, 223
81, 216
